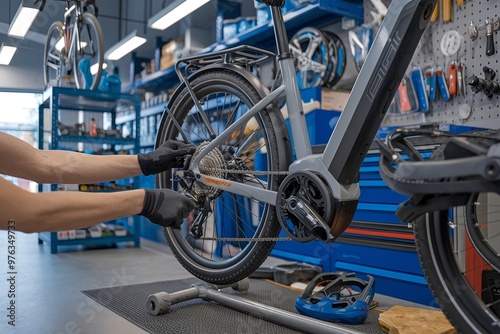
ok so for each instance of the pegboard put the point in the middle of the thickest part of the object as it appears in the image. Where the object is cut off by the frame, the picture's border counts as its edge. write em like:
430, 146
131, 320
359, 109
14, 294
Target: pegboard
484, 112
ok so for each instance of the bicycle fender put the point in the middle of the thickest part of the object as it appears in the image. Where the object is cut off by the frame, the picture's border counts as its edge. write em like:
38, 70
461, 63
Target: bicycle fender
279, 125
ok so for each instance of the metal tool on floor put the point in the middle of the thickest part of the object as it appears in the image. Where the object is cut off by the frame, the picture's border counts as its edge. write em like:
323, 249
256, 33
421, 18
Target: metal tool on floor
161, 302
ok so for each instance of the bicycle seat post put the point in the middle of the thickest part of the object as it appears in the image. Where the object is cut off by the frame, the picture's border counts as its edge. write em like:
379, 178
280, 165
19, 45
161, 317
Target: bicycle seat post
293, 97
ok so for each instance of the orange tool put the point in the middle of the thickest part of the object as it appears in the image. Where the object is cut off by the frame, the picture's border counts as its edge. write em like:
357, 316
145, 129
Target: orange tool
404, 101
460, 3
447, 7
435, 13
452, 79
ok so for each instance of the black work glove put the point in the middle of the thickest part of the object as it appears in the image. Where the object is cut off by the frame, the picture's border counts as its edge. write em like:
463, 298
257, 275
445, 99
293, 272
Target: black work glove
166, 207
169, 155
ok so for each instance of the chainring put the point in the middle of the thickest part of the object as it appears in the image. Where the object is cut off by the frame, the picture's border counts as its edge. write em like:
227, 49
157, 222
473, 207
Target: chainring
311, 188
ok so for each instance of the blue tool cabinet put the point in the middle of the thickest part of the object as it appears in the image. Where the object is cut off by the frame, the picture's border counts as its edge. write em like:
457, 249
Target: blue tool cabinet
376, 243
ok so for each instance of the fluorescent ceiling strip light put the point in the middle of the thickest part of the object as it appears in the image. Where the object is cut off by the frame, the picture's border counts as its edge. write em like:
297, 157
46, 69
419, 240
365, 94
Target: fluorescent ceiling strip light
22, 21
174, 12
6, 54
125, 46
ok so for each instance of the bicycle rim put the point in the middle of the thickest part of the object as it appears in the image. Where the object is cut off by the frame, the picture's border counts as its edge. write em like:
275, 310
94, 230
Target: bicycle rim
224, 97
443, 255
483, 226
53, 55
88, 55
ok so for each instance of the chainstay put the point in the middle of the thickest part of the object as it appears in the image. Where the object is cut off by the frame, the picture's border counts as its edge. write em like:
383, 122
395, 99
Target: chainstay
252, 172
255, 172
246, 239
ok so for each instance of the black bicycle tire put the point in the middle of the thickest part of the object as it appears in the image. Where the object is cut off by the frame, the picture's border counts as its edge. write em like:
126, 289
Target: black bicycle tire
489, 254
57, 25
255, 254
91, 20
455, 296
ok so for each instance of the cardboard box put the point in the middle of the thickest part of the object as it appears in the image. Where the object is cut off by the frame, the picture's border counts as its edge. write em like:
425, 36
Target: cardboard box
166, 61
172, 46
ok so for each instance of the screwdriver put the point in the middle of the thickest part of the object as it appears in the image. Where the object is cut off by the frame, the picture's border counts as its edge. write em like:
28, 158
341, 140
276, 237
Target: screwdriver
490, 44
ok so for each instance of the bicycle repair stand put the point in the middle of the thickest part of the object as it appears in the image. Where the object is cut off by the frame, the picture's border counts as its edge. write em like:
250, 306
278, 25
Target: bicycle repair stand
160, 303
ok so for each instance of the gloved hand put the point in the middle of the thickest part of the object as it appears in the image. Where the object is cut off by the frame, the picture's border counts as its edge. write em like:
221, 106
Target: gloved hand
169, 155
166, 207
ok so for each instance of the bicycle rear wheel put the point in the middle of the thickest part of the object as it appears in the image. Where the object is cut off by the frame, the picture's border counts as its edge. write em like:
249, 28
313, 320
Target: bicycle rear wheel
442, 252
53, 55
88, 56
224, 251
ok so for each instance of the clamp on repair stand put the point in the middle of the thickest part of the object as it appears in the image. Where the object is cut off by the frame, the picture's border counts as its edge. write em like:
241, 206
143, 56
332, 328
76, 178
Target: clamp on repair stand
161, 302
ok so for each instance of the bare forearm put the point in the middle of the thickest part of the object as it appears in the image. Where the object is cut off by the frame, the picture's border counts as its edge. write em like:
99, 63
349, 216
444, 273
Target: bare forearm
23, 160
70, 210
72, 167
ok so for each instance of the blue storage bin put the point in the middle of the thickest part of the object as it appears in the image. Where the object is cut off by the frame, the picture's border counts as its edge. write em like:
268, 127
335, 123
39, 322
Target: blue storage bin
230, 28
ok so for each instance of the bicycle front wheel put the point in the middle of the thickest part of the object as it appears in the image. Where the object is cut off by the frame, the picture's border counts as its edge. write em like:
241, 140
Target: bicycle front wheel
88, 54
53, 55
222, 247
470, 305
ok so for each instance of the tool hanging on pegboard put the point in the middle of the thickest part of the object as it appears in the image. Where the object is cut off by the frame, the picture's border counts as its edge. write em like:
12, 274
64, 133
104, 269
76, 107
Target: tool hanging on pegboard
459, 42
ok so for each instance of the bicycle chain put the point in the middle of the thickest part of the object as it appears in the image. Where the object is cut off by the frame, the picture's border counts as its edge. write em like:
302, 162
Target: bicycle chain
233, 171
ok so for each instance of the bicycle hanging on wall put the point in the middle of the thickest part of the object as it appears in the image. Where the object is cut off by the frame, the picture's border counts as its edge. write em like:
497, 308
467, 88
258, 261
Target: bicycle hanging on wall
75, 46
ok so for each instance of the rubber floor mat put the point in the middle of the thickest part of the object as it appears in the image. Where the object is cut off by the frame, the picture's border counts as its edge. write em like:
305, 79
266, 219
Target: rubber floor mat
200, 316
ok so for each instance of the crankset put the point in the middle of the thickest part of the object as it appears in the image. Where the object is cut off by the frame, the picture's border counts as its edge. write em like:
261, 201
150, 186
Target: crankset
305, 207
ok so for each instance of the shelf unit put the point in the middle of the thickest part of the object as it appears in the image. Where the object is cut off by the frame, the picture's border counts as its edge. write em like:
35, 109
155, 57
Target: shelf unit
318, 13
60, 101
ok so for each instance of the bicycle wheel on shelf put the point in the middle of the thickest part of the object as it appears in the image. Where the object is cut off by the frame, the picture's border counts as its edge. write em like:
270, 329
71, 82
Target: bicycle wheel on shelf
88, 56
471, 304
222, 248
53, 55
310, 48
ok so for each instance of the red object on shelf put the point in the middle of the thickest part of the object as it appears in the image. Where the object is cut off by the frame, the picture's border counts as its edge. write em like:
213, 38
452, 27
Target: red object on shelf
93, 128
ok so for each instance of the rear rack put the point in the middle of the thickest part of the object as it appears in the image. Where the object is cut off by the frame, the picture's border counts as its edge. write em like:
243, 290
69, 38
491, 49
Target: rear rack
245, 56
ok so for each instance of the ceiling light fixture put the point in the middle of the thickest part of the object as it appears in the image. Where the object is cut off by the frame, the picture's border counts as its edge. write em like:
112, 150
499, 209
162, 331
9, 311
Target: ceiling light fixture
6, 54
26, 14
125, 46
174, 12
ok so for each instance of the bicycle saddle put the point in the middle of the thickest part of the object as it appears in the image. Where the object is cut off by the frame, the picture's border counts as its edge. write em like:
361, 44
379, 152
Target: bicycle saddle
279, 3
344, 298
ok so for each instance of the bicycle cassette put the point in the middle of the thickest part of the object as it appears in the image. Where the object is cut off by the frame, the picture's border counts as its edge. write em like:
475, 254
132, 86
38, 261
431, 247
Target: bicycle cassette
343, 298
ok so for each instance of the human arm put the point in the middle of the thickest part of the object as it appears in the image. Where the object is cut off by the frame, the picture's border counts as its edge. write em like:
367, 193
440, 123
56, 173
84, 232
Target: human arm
55, 166
55, 211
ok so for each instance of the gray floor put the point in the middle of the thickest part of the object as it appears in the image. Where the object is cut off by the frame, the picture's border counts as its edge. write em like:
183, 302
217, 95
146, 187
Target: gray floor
48, 298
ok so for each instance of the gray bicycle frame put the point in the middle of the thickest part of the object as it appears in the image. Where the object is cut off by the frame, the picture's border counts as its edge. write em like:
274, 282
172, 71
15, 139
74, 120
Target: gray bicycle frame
375, 87
75, 38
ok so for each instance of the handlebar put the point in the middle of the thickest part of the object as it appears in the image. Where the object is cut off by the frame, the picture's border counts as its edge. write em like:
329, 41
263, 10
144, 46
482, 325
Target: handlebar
42, 4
